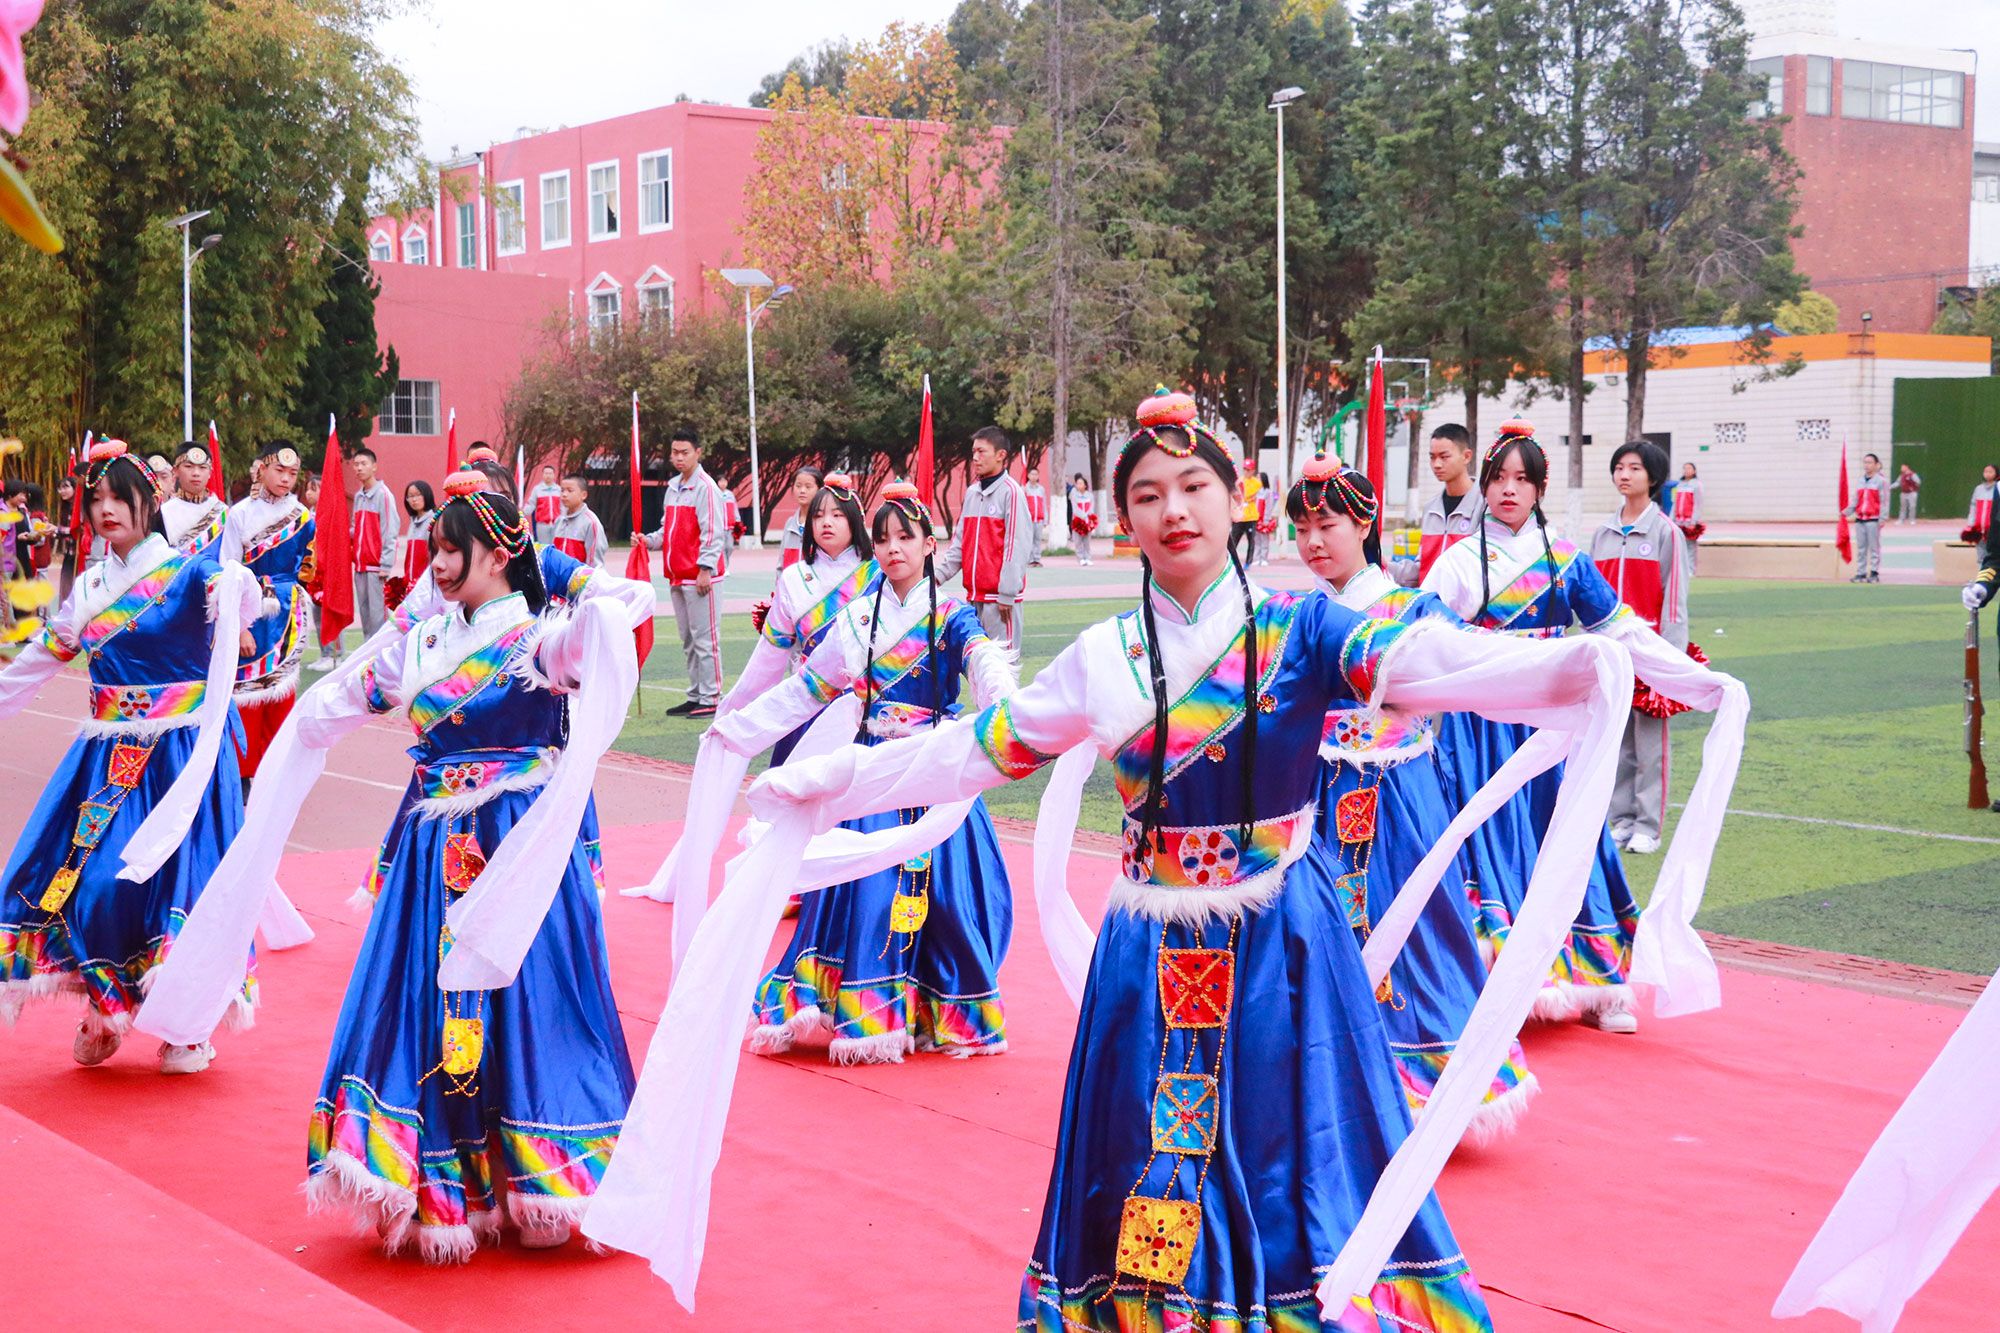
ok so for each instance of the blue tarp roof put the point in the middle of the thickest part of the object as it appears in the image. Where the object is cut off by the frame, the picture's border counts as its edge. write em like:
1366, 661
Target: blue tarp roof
1695, 337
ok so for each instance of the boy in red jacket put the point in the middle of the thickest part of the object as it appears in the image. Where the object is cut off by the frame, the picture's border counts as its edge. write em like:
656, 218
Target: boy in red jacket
692, 538
991, 540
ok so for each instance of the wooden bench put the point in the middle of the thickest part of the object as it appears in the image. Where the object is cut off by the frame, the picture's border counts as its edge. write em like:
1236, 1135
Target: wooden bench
1769, 558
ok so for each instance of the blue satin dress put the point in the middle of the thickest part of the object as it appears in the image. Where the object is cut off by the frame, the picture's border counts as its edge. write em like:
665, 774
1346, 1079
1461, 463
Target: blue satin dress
1231, 1098
147, 653
1598, 954
267, 682
1385, 802
907, 958
519, 1121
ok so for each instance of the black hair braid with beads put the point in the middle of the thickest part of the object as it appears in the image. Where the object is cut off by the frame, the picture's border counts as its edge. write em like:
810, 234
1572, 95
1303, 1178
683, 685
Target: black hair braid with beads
931, 643
1251, 683
868, 665
1536, 465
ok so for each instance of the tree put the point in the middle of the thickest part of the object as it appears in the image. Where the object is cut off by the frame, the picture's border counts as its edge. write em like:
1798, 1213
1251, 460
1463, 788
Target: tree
821, 66
150, 108
346, 375
1809, 312
1696, 196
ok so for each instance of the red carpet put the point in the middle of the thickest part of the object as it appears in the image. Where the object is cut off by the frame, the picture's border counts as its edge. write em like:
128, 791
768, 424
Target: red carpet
1663, 1182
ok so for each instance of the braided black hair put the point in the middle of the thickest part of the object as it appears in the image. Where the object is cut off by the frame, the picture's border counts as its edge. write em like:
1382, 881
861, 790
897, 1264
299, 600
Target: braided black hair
878, 529
1535, 464
1353, 497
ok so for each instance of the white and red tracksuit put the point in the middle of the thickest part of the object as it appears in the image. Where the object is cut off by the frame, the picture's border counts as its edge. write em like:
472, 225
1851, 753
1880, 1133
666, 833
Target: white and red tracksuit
370, 530
1038, 517
693, 537
1645, 564
1438, 531
545, 503
580, 536
989, 547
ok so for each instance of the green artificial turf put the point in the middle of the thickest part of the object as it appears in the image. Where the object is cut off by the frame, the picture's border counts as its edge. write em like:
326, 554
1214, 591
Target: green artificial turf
1855, 717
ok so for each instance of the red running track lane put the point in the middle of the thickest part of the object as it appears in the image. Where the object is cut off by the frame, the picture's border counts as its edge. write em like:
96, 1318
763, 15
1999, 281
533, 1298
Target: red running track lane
1662, 1182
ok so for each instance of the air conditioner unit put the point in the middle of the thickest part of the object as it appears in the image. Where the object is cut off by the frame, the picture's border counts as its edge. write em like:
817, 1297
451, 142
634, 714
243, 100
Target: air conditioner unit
1610, 381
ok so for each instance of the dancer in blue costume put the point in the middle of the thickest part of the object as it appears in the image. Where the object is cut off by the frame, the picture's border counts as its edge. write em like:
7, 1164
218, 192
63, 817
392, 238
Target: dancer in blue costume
160, 631
1517, 578
271, 532
1231, 1099
907, 958
193, 515
1386, 801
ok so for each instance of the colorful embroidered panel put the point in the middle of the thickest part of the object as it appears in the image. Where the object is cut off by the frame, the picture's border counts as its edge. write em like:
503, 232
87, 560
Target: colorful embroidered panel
1376, 731
462, 777
284, 647
1185, 1109
462, 861
271, 538
1011, 756
1196, 986
902, 657
1209, 858
1354, 816
889, 718
146, 703
1212, 706
202, 534
1362, 655
437, 701
128, 764
125, 608
1156, 1238
813, 624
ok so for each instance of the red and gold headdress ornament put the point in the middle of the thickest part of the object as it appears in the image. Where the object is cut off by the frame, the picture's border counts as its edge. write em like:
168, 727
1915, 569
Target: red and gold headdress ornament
1514, 428
1324, 476
102, 455
842, 486
1169, 408
481, 453
903, 495
467, 486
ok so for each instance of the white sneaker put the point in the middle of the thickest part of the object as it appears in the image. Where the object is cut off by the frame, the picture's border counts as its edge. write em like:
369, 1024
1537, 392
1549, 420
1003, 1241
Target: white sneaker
1643, 844
324, 664
1621, 834
545, 1234
95, 1043
1618, 1018
185, 1059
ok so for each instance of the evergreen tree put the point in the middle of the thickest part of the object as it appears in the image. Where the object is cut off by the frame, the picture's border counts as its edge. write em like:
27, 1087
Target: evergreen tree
346, 374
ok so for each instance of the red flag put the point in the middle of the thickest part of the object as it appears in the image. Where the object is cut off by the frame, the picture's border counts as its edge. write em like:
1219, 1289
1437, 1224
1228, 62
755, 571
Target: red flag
1378, 429
639, 564
333, 560
1842, 538
79, 530
926, 465
217, 485
451, 443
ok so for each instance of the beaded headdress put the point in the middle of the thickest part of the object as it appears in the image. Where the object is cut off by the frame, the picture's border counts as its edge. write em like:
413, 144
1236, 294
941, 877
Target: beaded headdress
903, 495
1169, 408
481, 453
467, 486
1514, 428
102, 455
842, 485
1324, 475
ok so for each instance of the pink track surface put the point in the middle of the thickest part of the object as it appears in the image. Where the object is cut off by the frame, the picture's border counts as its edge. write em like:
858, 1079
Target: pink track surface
1662, 1182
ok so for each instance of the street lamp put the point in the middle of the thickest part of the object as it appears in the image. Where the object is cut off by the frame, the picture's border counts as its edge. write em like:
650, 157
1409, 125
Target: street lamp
1279, 101
751, 281
188, 257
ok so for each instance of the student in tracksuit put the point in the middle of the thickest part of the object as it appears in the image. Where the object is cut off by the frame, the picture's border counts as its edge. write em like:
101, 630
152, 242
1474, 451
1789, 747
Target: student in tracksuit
577, 533
372, 530
545, 503
1453, 513
1639, 552
1870, 506
1038, 513
692, 537
990, 541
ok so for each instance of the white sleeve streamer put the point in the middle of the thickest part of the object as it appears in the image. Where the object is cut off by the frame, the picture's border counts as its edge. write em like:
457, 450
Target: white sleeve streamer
166, 826
767, 666
192, 990
1583, 685
992, 671
638, 601
22, 679
1935, 1165
1068, 937
497, 920
280, 925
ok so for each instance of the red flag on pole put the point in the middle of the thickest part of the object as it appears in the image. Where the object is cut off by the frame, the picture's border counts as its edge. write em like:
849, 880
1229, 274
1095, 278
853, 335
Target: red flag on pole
218, 485
79, 530
926, 465
639, 564
1842, 538
1378, 428
451, 443
333, 557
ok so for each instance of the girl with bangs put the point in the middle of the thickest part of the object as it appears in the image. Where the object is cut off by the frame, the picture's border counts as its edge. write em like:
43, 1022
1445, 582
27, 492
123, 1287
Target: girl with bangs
1235, 1149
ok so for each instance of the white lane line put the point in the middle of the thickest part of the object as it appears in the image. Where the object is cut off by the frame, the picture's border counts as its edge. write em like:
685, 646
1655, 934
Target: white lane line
1866, 828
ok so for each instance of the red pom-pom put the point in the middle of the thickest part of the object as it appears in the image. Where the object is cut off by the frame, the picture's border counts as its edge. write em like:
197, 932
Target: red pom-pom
105, 450
1166, 407
465, 481
899, 490
758, 613
1517, 428
1646, 700
1320, 469
1972, 535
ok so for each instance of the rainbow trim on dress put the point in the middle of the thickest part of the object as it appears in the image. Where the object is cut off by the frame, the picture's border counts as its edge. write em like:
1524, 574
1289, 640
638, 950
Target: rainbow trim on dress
1527, 588
271, 538
146, 703
1362, 655
1375, 731
1445, 1298
1420, 1068
879, 1007
813, 624
900, 658
1212, 706
440, 699
447, 778
818, 686
1001, 739
145, 591
1210, 858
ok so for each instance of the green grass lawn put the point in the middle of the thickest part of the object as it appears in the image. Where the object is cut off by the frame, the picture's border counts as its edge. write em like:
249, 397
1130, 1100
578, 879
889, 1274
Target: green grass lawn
1855, 718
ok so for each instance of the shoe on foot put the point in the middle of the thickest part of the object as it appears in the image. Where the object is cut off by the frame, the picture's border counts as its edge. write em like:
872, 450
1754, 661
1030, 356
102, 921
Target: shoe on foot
1618, 1018
1643, 844
700, 710
324, 664
682, 709
95, 1043
185, 1059
544, 1233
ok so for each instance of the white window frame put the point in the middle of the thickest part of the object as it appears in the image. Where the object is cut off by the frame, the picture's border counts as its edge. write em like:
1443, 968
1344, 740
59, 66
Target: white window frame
655, 279
465, 222
643, 186
381, 247
519, 189
542, 210
603, 285
422, 239
386, 422
590, 197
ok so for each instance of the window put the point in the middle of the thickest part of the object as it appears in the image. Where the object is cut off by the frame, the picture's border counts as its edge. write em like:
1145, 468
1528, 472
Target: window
1986, 189
604, 201
1815, 428
1771, 74
1819, 85
1906, 94
381, 250
468, 237
416, 246
510, 232
412, 409
555, 210
604, 305
656, 191
656, 299
1732, 432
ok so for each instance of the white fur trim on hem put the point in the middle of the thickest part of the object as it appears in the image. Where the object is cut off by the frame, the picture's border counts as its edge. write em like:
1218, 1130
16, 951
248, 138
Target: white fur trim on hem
282, 684
1562, 1001
119, 727
1498, 1118
887, 1048
1195, 906
344, 1183
804, 1026
361, 902
1333, 754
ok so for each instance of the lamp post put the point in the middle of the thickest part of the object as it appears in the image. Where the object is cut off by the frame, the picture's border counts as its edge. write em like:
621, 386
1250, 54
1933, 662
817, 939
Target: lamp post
750, 281
188, 257
1279, 101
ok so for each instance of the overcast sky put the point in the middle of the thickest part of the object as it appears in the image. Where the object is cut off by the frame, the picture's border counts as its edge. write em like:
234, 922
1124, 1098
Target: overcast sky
484, 69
